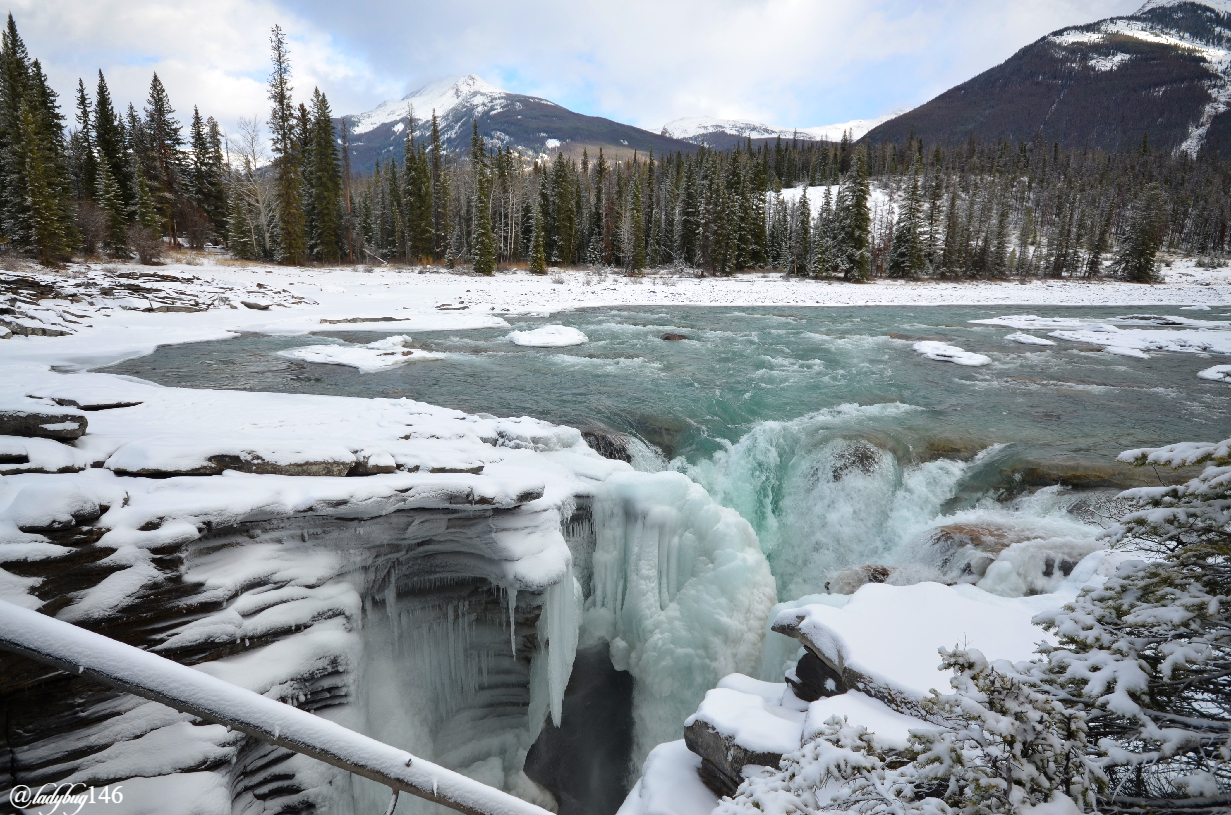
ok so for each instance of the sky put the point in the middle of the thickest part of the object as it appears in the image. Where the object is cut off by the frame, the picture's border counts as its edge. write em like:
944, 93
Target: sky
788, 63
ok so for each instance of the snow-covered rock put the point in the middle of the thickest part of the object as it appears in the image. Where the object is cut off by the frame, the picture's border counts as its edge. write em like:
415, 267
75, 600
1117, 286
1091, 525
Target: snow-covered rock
941, 352
549, 336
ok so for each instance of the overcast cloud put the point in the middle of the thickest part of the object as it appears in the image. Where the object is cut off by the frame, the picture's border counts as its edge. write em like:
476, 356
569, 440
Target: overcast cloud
792, 63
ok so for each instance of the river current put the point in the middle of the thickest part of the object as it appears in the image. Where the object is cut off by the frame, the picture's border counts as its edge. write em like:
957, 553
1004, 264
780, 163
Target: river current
761, 407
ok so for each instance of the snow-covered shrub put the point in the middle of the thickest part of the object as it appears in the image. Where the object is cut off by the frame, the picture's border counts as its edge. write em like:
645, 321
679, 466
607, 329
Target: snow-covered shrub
1149, 654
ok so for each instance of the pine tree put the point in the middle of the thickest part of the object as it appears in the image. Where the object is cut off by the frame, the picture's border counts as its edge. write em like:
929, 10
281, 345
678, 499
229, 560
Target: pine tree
107, 194
166, 159
801, 238
1146, 232
484, 240
907, 258
441, 226
324, 184
854, 222
538, 244
81, 147
109, 139
287, 158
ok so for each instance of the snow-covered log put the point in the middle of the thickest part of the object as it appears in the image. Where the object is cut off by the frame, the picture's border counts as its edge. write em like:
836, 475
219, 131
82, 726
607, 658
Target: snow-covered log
74, 649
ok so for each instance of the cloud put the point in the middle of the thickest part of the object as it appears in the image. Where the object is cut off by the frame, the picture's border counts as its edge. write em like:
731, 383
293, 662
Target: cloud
786, 62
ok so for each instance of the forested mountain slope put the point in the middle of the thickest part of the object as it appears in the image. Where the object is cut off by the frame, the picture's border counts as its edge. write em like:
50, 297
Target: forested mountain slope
1163, 73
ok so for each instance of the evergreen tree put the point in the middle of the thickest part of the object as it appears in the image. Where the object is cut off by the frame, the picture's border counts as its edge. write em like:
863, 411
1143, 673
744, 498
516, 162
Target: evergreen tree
109, 138
854, 222
107, 194
287, 159
81, 147
441, 226
484, 240
165, 166
1146, 232
907, 258
538, 244
324, 184
801, 238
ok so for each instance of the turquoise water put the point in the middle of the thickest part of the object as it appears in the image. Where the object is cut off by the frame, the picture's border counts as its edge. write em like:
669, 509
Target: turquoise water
760, 405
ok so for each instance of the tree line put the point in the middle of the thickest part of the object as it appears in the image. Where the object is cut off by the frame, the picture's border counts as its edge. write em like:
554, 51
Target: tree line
129, 183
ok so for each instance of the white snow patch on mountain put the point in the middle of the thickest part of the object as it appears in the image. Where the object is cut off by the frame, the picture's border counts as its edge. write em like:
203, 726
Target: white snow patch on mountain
440, 97
1222, 6
693, 127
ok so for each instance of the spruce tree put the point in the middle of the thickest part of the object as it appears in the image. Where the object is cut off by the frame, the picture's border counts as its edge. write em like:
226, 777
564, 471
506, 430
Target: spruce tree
324, 184
801, 238
854, 257
81, 147
109, 139
166, 158
1146, 232
484, 240
287, 159
538, 244
907, 258
441, 226
107, 194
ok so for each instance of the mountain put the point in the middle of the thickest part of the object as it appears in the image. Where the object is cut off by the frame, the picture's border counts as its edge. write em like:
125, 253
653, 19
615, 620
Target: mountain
1164, 71
528, 124
723, 133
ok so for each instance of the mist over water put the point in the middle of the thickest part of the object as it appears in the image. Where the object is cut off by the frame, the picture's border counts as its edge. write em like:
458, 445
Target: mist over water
822, 427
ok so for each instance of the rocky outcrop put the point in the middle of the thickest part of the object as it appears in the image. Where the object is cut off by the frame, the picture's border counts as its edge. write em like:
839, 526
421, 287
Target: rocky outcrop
64, 425
669, 337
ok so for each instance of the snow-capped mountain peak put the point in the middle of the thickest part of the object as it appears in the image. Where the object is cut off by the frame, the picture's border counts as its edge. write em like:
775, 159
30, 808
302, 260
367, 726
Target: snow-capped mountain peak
441, 96
696, 128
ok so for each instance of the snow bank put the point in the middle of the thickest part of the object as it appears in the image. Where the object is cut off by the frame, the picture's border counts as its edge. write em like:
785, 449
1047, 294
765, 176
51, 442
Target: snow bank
669, 784
950, 353
549, 336
375, 356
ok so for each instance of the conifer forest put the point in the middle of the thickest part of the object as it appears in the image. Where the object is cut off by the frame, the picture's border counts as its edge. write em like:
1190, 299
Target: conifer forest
124, 183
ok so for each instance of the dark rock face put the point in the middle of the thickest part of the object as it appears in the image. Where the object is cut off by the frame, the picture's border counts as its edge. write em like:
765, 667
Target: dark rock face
42, 424
585, 763
675, 337
812, 679
722, 760
251, 463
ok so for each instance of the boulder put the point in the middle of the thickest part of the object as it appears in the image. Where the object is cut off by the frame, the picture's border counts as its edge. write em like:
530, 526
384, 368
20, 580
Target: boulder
607, 442
669, 337
42, 424
743, 722
856, 456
